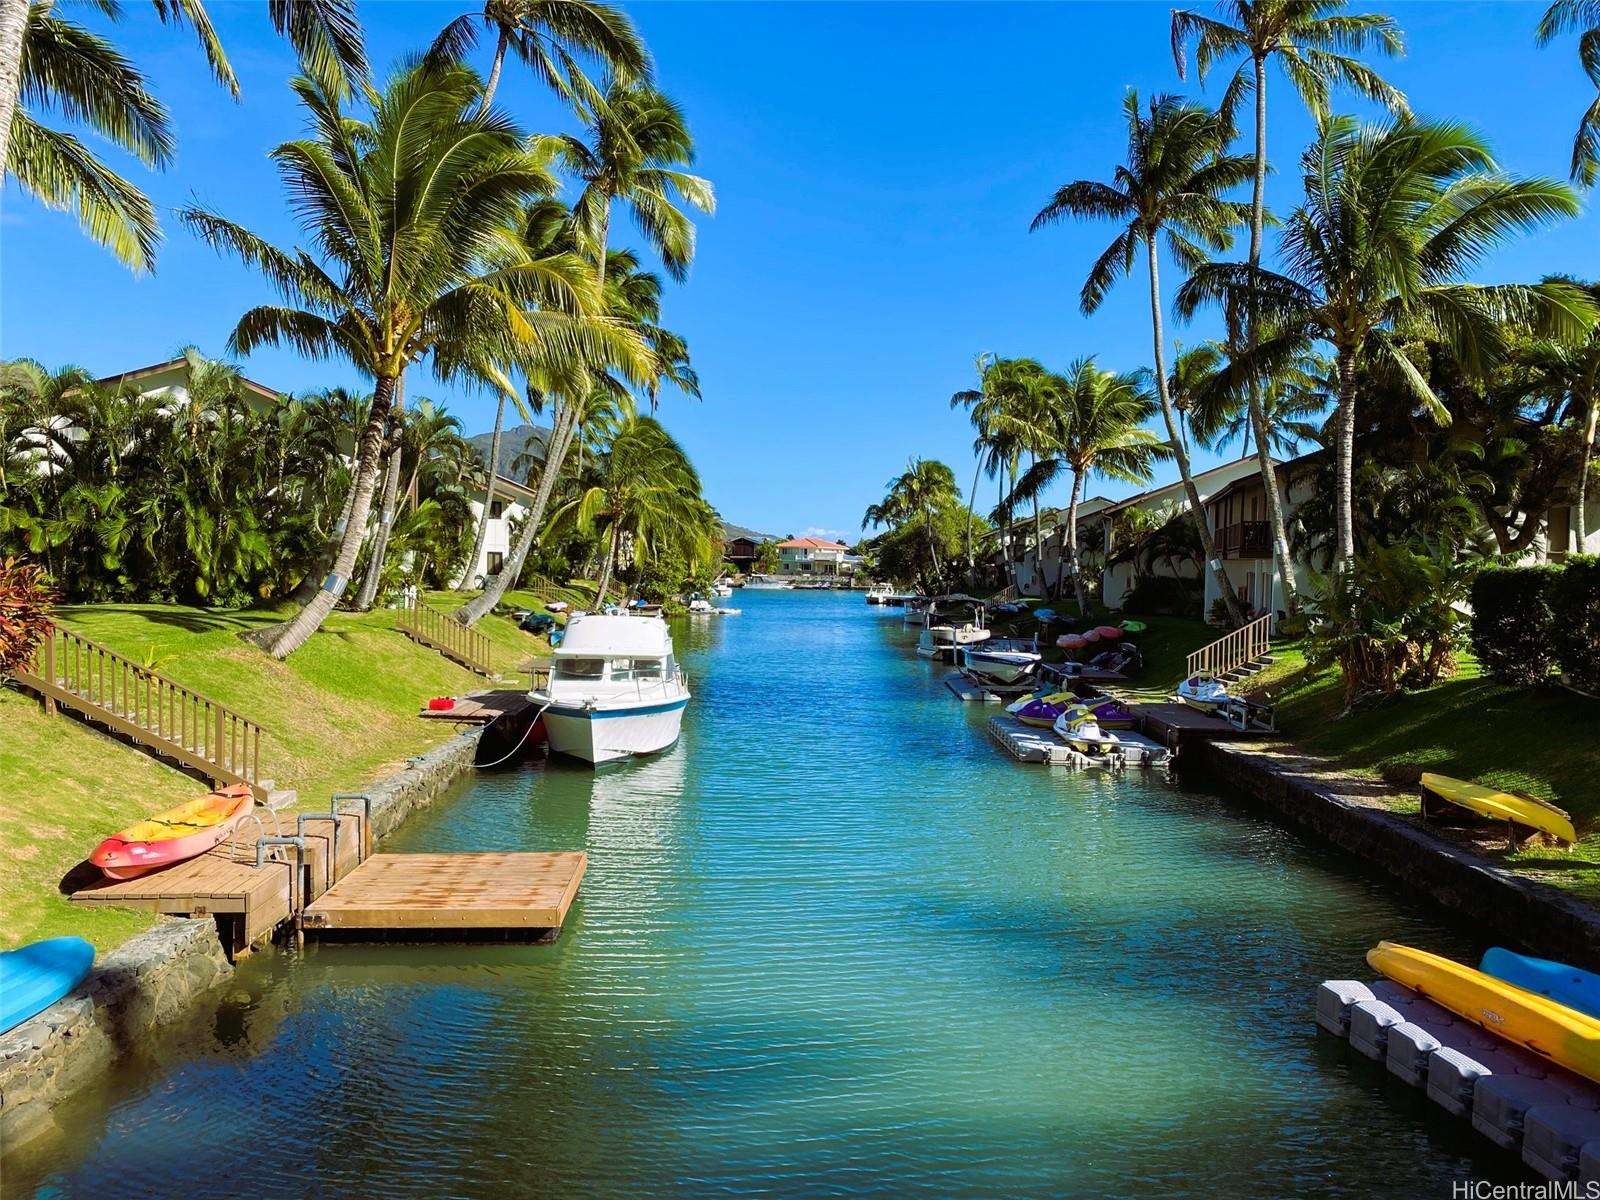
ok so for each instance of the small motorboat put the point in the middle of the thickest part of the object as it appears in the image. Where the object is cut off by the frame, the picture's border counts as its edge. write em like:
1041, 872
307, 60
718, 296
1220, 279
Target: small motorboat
1003, 661
879, 593
701, 607
176, 835
558, 606
1079, 730
1203, 691
1124, 659
35, 976
729, 612
722, 589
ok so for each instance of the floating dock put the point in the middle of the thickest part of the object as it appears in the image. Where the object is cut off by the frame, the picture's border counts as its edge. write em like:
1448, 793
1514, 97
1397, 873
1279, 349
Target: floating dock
457, 893
972, 693
482, 708
1035, 744
1177, 725
1518, 1100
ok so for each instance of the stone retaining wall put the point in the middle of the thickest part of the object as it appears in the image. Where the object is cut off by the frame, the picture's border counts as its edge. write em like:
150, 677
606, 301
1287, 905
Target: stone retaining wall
159, 974
1503, 905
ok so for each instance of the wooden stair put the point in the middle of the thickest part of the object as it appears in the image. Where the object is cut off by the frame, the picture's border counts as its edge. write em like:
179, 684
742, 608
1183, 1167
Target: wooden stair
431, 628
149, 711
1237, 655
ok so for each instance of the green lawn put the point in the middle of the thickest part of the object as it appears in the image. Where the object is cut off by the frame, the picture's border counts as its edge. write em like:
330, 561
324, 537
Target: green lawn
341, 711
1543, 741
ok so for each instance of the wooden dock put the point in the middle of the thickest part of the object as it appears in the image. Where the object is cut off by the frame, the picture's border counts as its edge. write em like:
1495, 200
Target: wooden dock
469, 893
481, 708
1176, 725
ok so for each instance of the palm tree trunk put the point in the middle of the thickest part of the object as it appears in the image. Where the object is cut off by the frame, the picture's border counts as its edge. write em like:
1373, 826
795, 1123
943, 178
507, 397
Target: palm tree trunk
1005, 529
1585, 462
972, 501
1072, 544
561, 434
1038, 534
13, 24
319, 569
482, 536
283, 640
494, 71
611, 558
933, 545
1344, 538
1258, 410
1197, 512
391, 492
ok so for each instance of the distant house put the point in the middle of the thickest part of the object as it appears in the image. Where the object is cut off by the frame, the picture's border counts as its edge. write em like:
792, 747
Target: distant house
512, 503
741, 552
171, 378
812, 556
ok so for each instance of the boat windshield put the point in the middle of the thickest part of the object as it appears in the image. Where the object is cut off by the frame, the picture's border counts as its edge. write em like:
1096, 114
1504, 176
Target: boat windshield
580, 668
636, 668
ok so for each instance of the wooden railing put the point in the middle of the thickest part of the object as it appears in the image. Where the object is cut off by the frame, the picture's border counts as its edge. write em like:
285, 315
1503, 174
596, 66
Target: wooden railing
73, 672
1243, 645
1244, 539
449, 637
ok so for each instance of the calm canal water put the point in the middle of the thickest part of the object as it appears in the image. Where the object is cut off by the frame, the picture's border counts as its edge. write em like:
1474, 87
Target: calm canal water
834, 943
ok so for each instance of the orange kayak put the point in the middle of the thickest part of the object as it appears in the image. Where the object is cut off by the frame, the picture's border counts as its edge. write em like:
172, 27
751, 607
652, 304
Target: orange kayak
176, 835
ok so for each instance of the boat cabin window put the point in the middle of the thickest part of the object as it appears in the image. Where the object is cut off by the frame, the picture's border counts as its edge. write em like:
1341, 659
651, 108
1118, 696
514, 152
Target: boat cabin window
580, 668
636, 668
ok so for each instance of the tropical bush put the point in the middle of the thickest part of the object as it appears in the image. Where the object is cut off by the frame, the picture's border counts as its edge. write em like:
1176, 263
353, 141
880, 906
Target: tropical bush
24, 613
1575, 621
1163, 595
1511, 622
1391, 620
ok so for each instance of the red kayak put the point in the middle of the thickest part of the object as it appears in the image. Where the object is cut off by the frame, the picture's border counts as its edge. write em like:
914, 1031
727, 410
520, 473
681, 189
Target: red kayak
176, 835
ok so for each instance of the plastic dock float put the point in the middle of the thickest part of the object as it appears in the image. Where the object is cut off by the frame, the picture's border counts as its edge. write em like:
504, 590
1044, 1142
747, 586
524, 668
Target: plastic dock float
399, 894
1516, 1099
971, 693
1032, 743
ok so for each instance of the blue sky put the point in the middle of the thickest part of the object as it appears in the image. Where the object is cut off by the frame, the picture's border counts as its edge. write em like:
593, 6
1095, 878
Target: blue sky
876, 167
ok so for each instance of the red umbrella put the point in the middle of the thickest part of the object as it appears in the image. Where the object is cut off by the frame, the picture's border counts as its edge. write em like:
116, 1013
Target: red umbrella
1108, 631
1071, 641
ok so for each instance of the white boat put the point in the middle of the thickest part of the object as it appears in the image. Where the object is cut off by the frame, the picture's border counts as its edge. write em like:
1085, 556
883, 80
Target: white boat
701, 607
879, 593
615, 689
1003, 661
1078, 728
1203, 691
942, 636
721, 590
769, 583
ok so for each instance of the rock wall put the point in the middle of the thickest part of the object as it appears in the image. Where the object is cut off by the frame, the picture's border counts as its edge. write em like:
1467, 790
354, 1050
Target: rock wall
1503, 905
144, 983
423, 778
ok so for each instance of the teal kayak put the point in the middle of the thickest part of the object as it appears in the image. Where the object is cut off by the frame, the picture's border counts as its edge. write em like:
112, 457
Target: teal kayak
34, 977
1571, 986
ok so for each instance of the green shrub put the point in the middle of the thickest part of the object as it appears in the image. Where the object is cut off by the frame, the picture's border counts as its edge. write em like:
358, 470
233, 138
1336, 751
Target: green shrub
1575, 621
1163, 595
1511, 623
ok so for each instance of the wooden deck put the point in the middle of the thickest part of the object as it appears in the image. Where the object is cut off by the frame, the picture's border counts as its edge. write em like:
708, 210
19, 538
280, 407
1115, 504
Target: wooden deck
452, 892
480, 708
1175, 725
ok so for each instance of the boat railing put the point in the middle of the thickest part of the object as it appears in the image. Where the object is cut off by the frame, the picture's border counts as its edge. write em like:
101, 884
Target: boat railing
71, 671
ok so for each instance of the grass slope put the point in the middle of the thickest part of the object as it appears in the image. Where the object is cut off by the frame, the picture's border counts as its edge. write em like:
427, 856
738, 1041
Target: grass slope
340, 712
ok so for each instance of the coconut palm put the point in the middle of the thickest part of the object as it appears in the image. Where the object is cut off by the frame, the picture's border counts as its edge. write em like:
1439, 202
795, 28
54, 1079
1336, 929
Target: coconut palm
1568, 373
982, 404
636, 147
1169, 190
1097, 427
49, 64
1394, 216
548, 37
1005, 410
408, 210
1312, 41
1583, 18
1294, 398
918, 493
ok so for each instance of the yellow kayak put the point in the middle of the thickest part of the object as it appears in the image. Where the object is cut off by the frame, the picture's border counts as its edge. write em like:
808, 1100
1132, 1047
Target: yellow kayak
1561, 1034
1502, 806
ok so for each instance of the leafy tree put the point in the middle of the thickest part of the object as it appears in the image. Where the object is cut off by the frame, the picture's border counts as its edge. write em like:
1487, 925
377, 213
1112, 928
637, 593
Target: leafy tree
1170, 189
1312, 41
922, 490
767, 559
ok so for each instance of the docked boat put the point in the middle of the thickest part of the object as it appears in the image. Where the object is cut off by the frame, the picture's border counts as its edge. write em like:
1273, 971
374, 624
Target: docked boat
1203, 691
176, 835
880, 593
722, 589
943, 634
701, 607
1006, 662
769, 583
1078, 728
615, 689
1042, 711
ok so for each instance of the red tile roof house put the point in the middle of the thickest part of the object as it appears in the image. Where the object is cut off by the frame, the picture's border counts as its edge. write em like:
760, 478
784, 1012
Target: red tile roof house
811, 556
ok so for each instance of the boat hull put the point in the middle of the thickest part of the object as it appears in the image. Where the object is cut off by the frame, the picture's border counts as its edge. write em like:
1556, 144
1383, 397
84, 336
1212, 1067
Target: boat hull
601, 735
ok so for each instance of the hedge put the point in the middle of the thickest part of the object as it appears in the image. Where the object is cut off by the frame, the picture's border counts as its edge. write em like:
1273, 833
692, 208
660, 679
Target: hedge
1575, 623
1512, 622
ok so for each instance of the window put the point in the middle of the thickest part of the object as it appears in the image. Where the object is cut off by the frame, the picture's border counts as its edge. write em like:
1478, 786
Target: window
496, 561
580, 668
636, 668
496, 507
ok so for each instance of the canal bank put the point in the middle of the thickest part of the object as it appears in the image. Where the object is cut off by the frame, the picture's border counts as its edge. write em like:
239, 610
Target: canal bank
159, 977
831, 942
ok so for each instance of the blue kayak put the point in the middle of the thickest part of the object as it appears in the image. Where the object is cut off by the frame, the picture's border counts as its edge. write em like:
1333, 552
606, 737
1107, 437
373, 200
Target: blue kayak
1565, 985
35, 977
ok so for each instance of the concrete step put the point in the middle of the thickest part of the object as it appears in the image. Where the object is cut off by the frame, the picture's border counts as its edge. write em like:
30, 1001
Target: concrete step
281, 798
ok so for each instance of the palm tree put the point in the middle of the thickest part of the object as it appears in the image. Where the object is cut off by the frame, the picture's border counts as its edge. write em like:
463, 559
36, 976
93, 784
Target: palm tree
1171, 185
645, 489
48, 63
548, 36
919, 492
1568, 373
1005, 410
982, 404
1293, 398
1312, 40
637, 145
1098, 422
408, 211
1583, 18
1394, 215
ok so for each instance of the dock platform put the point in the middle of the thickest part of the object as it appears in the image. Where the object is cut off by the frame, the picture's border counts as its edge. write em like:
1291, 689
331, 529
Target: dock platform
1035, 744
970, 693
467, 893
1176, 725
481, 708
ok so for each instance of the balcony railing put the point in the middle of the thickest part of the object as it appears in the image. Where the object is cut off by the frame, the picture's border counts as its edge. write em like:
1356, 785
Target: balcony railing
1245, 539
